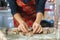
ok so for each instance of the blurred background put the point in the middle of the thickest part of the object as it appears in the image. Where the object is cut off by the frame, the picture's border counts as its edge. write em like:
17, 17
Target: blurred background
6, 19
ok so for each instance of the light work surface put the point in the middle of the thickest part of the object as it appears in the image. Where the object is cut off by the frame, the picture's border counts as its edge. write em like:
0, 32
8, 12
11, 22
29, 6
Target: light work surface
51, 36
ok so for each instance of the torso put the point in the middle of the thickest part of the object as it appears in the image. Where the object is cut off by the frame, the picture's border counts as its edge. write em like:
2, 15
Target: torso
29, 18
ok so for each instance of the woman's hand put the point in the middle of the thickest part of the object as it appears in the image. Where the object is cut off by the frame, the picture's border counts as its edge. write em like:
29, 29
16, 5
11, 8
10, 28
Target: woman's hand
23, 27
37, 28
36, 25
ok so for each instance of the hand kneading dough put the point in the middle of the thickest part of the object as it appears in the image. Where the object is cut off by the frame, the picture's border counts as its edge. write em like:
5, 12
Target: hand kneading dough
30, 33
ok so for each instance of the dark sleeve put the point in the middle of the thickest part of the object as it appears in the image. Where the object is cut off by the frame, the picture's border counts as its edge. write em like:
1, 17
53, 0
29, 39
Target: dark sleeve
13, 6
40, 6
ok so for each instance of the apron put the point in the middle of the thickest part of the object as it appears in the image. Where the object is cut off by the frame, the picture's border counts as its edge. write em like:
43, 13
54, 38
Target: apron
28, 17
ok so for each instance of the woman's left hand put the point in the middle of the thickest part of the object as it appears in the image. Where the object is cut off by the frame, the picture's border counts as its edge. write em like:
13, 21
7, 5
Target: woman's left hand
37, 28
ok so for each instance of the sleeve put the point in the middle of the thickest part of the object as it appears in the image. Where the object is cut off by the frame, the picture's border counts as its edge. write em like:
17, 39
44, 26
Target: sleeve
40, 6
13, 6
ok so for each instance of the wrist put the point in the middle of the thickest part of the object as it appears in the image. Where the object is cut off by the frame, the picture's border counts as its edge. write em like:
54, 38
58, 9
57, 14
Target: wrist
37, 21
39, 17
21, 21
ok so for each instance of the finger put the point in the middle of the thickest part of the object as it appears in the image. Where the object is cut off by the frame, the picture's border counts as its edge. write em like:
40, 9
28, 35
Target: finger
33, 26
35, 29
24, 28
41, 30
38, 30
21, 28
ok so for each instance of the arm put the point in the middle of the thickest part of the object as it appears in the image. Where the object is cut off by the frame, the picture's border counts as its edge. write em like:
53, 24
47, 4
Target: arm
39, 17
22, 25
40, 5
18, 17
13, 6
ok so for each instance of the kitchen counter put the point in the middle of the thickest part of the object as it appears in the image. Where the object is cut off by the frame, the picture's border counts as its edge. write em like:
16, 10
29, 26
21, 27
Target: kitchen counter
52, 36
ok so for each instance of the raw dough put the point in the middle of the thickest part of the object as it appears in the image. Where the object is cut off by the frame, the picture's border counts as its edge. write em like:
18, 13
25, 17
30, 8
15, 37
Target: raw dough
48, 30
2, 36
26, 34
45, 30
30, 33
12, 31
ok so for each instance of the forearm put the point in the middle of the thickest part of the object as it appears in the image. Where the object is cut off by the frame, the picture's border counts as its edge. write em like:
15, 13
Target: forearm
40, 10
18, 17
39, 17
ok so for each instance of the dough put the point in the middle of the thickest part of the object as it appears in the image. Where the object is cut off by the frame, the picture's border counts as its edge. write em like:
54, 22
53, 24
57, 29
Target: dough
22, 33
2, 36
12, 31
30, 33
48, 30
51, 30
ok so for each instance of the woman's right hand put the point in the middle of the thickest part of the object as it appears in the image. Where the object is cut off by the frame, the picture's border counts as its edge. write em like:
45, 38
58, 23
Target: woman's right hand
23, 27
